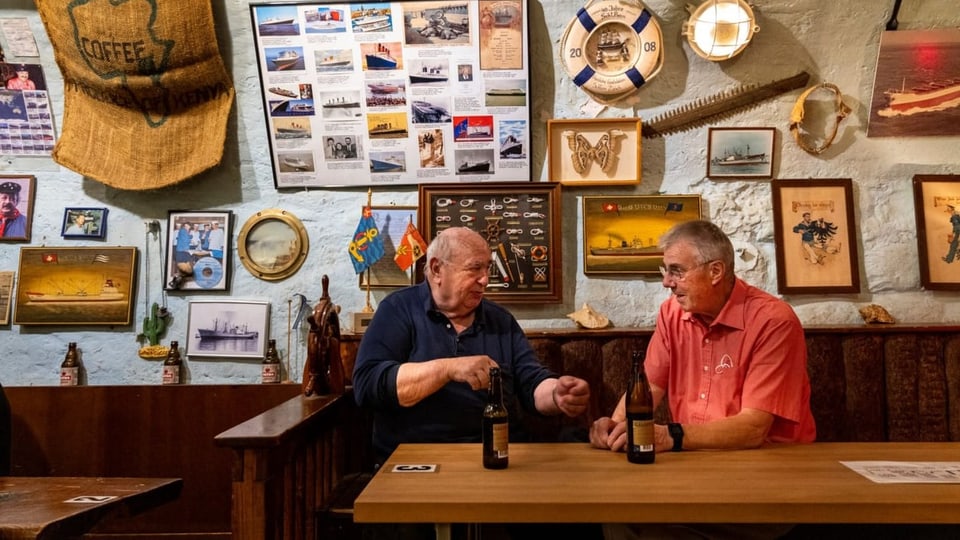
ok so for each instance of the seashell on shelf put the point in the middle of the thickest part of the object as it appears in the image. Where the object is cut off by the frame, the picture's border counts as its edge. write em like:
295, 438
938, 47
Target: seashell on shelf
586, 317
874, 313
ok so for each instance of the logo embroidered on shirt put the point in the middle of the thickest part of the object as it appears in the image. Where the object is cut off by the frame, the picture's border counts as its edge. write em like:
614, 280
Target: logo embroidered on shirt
725, 363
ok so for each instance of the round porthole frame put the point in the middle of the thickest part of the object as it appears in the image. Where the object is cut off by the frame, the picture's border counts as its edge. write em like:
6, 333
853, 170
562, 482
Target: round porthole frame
273, 226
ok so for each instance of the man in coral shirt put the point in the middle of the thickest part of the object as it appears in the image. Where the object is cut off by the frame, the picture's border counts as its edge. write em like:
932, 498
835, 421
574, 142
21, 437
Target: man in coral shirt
731, 359
22, 80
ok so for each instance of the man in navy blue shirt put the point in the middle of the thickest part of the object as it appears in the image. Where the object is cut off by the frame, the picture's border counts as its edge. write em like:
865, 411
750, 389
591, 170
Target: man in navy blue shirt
424, 362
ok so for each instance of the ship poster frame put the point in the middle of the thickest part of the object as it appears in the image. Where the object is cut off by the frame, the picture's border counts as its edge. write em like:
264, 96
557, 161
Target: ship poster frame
725, 145
637, 222
395, 93
521, 224
240, 317
65, 276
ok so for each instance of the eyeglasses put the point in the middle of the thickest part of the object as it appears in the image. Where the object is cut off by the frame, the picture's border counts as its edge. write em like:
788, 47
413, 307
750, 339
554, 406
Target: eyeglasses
679, 275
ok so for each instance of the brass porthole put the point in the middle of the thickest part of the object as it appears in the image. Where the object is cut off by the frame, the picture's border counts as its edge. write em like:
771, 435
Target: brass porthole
273, 244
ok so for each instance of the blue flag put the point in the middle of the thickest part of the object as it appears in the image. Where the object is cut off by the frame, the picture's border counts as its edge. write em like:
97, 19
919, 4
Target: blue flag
366, 247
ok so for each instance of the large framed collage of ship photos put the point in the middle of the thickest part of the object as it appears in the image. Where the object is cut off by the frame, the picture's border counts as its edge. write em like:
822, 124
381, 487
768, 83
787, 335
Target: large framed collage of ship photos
395, 93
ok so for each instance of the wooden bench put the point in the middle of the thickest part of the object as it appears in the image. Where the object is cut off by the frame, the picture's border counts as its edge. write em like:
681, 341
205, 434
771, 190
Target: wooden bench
145, 431
869, 383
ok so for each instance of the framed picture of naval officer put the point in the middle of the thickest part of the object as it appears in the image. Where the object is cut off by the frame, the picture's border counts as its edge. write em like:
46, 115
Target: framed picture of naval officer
197, 247
16, 207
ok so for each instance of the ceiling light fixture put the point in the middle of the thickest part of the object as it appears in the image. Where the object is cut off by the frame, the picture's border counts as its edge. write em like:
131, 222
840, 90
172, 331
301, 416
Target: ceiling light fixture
720, 29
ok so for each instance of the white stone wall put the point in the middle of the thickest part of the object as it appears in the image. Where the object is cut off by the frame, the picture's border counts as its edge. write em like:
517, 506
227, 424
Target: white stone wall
836, 42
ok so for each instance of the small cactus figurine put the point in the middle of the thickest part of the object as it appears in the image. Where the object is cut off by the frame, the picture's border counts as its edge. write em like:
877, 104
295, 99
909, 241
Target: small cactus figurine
153, 328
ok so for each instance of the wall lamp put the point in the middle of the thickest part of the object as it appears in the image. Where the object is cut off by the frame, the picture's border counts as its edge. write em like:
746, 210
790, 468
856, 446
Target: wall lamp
720, 29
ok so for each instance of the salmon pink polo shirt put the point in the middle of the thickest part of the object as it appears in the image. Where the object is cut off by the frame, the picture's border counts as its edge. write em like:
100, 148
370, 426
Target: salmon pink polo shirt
752, 355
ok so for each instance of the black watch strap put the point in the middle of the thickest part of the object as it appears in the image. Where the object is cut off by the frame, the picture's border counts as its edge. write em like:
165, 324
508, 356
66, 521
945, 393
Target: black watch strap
676, 433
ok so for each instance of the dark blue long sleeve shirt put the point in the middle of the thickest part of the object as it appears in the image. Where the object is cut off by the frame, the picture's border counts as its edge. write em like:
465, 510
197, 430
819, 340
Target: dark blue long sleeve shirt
407, 327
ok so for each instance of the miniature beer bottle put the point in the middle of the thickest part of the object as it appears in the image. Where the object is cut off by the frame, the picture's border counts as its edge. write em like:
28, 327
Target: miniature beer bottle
270, 369
496, 432
70, 368
640, 447
172, 365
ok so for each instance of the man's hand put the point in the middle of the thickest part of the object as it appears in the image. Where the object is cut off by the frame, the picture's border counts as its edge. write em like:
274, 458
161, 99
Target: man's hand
571, 395
608, 434
473, 370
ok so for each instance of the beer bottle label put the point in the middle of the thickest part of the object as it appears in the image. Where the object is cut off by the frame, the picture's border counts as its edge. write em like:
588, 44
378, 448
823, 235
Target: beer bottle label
68, 376
501, 437
171, 374
269, 373
642, 434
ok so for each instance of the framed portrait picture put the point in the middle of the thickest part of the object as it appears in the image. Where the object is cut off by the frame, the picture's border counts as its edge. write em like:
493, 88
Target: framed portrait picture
621, 234
815, 236
273, 244
198, 248
377, 92
16, 207
392, 223
521, 223
6, 294
75, 286
232, 329
740, 152
937, 203
594, 152
84, 223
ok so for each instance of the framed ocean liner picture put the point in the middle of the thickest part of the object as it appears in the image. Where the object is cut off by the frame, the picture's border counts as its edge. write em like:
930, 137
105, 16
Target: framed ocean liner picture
395, 93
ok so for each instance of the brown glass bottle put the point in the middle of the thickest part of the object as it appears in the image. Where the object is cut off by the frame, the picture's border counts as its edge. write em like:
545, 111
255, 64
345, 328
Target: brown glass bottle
270, 368
172, 365
70, 368
496, 427
640, 447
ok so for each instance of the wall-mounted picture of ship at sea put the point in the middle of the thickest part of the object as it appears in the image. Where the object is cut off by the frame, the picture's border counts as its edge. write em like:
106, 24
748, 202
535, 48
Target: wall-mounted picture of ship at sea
740, 152
73, 286
621, 234
916, 90
234, 329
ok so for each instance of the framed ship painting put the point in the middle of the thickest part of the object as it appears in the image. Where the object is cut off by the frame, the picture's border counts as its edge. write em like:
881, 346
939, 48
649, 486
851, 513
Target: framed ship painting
621, 234
395, 93
75, 286
740, 152
916, 89
231, 329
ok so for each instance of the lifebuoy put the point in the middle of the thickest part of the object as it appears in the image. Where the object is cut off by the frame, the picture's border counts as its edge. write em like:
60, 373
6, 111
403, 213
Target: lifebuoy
611, 48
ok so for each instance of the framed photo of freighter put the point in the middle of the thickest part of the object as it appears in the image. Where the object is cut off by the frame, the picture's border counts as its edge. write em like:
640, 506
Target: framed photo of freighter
395, 93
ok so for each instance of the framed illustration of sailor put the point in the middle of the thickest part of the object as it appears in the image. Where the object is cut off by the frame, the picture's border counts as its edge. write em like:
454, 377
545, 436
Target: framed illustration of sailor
937, 203
228, 328
521, 223
621, 233
75, 286
740, 152
395, 93
594, 151
815, 236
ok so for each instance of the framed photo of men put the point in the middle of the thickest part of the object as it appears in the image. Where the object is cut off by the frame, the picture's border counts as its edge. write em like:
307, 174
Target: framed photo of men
197, 247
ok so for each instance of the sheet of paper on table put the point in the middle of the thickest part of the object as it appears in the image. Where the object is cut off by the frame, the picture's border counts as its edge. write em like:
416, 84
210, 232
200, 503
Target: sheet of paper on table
907, 472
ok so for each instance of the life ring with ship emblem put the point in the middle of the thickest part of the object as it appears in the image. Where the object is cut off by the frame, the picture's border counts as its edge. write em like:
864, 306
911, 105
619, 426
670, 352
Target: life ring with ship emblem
612, 48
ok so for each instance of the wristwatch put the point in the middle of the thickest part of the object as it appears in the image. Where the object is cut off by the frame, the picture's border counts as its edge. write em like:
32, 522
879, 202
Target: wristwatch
676, 433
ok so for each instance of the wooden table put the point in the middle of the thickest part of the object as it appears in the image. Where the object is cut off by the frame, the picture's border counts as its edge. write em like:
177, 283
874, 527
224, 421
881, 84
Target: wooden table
36, 507
573, 483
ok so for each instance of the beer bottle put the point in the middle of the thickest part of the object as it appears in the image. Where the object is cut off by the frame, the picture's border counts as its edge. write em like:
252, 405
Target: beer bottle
270, 369
639, 415
70, 368
496, 432
172, 365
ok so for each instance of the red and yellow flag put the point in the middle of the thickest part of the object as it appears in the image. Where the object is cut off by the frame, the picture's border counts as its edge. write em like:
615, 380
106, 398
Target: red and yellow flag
412, 247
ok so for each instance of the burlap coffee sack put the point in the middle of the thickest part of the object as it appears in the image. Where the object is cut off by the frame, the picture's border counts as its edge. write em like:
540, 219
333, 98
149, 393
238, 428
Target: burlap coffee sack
146, 94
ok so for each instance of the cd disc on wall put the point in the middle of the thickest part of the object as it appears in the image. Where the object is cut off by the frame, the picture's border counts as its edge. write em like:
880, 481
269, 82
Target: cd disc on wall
207, 272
